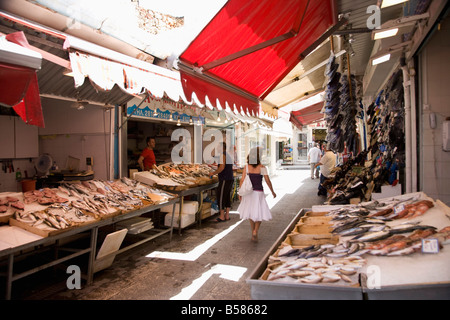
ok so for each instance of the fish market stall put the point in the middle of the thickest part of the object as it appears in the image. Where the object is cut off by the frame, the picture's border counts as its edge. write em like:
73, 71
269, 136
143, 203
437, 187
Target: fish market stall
393, 248
42, 220
183, 180
267, 285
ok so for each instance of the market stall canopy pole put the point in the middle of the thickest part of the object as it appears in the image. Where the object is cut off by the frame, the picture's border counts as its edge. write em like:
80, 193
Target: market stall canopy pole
248, 48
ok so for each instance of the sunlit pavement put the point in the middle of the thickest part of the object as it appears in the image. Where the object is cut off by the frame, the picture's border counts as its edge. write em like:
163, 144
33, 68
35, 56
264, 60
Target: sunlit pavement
211, 262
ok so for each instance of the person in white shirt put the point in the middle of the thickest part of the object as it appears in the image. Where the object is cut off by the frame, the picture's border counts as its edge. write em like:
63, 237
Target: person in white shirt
326, 163
314, 155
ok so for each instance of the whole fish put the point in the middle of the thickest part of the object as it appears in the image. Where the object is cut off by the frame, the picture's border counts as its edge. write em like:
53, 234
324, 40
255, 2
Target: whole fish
405, 228
354, 231
402, 252
373, 236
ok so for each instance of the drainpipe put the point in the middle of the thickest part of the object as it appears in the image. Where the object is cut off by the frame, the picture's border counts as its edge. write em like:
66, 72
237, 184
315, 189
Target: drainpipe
407, 97
116, 142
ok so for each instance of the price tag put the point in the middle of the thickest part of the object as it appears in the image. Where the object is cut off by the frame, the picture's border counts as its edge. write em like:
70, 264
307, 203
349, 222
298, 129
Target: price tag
399, 208
430, 245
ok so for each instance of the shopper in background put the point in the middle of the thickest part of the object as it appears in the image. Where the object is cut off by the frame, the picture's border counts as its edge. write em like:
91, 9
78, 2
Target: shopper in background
254, 206
314, 155
326, 163
226, 180
147, 158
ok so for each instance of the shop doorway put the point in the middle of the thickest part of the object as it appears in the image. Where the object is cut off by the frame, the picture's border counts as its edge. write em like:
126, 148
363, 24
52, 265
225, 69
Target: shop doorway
302, 147
318, 136
137, 133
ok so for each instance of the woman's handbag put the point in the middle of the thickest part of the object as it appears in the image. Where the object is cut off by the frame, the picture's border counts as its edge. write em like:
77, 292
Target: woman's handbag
246, 187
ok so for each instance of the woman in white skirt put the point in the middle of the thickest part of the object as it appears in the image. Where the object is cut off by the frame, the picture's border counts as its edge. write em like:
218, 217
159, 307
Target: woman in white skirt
254, 206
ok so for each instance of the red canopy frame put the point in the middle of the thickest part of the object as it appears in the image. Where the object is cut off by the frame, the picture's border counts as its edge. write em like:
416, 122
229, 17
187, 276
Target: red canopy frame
307, 115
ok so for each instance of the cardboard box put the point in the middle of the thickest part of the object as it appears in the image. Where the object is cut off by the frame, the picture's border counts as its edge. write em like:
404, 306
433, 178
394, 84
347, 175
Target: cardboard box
313, 228
316, 220
206, 210
304, 240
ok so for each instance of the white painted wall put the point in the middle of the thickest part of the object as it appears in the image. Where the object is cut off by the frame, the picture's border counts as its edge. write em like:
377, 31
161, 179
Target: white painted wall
76, 133
435, 98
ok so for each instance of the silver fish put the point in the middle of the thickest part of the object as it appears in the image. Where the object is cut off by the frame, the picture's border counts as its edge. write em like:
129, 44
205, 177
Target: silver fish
337, 255
353, 248
373, 236
354, 231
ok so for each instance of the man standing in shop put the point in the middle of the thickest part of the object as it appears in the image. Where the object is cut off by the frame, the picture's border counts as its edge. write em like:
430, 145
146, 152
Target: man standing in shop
147, 158
314, 155
326, 163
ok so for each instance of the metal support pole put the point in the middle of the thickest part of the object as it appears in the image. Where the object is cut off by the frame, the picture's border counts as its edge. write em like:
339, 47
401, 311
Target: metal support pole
90, 272
9, 276
407, 97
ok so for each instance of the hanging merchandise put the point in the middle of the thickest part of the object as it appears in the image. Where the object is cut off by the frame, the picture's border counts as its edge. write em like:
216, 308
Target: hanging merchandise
386, 128
359, 178
348, 111
332, 102
340, 109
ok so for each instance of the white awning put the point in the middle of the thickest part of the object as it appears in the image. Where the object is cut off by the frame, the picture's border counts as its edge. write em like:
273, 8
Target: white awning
14, 54
105, 68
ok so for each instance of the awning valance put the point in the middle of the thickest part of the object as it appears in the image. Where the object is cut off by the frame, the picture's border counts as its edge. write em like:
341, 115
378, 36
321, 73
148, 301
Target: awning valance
307, 115
134, 80
249, 46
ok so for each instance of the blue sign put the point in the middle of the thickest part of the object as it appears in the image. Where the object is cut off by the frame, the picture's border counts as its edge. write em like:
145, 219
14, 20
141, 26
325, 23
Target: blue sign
161, 115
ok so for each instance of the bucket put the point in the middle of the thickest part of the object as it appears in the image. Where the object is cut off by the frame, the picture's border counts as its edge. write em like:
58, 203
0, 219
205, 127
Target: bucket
28, 185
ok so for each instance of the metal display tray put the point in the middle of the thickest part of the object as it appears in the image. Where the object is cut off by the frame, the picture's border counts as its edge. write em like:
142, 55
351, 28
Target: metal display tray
269, 290
431, 291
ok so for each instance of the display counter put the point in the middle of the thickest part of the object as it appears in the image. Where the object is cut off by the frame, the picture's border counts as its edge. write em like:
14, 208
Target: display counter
381, 252
48, 219
262, 289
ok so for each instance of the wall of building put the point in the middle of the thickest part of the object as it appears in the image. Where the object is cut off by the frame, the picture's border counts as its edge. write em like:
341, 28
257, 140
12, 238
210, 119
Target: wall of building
76, 133
434, 68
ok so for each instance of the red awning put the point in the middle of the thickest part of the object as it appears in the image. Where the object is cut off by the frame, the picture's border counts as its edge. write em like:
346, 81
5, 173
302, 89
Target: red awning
19, 84
19, 88
250, 46
307, 115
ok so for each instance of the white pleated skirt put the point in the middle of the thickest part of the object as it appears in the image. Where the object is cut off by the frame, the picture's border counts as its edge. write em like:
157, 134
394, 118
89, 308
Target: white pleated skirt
254, 206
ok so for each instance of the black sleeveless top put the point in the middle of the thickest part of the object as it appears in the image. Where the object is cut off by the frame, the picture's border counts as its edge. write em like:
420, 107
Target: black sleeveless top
227, 173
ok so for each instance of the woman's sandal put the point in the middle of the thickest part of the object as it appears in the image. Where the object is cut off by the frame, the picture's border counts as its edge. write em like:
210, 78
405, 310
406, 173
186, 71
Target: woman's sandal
220, 220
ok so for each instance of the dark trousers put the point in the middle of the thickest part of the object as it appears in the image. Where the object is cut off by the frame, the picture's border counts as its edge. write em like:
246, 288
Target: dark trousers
224, 194
322, 190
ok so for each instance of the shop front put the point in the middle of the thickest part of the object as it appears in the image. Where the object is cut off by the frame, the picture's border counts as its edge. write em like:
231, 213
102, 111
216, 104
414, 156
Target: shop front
159, 119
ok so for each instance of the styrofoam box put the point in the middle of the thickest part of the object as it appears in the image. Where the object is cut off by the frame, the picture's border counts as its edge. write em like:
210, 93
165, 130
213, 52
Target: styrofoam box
189, 207
186, 220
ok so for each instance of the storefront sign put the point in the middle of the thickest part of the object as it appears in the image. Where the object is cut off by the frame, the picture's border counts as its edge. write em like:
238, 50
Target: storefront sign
157, 114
